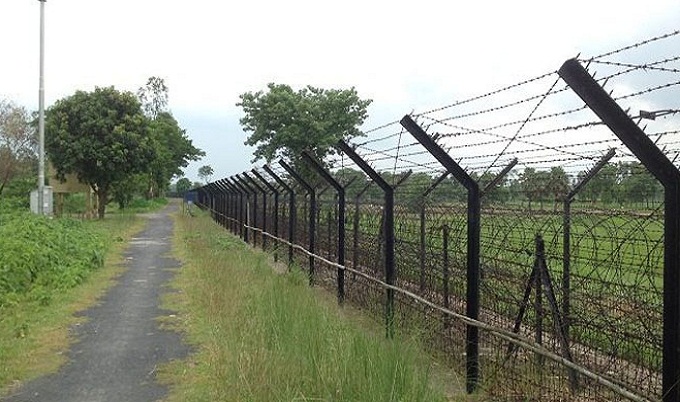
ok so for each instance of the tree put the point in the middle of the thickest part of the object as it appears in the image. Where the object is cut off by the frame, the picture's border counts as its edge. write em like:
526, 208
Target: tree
528, 181
17, 143
204, 172
637, 184
558, 185
535, 185
410, 192
602, 186
101, 136
183, 185
153, 96
498, 193
174, 150
124, 191
353, 180
283, 122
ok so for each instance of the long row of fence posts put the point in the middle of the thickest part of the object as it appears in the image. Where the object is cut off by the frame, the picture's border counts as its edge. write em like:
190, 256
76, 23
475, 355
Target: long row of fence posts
238, 197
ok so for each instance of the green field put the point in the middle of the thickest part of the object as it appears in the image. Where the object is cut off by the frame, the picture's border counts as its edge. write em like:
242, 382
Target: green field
615, 261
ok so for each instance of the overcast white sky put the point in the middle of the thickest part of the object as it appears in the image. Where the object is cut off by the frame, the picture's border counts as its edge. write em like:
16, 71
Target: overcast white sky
403, 55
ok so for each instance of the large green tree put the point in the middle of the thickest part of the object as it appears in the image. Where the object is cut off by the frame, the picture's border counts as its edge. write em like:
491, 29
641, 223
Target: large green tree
102, 136
283, 122
183, 185
174, 150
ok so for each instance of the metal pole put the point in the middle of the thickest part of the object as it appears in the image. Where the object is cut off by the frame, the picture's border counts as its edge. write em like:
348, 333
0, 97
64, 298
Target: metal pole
618, 121
41, 115
566, 240
258, 189
341, 220
387, 231
312, 215
423, 207
446, 272
474, 242
275, 215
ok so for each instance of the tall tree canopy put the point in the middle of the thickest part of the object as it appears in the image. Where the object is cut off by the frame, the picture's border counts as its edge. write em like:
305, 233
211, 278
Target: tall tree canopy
183, 185
101, 136
153, 96
284, 122
174, 150
17, 143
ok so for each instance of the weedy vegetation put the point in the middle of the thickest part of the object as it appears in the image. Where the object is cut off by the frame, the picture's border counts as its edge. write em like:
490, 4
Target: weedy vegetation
262, 334
50, 269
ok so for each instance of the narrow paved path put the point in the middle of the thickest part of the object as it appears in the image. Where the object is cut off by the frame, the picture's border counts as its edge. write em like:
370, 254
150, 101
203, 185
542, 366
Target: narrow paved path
118, 349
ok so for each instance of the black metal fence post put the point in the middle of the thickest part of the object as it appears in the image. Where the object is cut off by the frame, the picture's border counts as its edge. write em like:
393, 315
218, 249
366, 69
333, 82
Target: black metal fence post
259, 189
222, 203
312, 215
341, 220
498, 178
216, 202
387, 229
252, 210
275, 216
566, 240
446, 272
665, 172
423, 206
233, 205
292, 215
539, 256
355, 228
473, 244
245, 202
210, 198
239, 208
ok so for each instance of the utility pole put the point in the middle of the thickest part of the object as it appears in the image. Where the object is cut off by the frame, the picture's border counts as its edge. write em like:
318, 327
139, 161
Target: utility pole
41, 115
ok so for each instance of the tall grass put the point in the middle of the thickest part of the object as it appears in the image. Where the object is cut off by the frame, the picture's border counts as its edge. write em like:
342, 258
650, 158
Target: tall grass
266, 336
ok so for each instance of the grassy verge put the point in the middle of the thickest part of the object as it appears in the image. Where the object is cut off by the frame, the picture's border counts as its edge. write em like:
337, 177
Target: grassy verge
34, 336
263, 336
138, 205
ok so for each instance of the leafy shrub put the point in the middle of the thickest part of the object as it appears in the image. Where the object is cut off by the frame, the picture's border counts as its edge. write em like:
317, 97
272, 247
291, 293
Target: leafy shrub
75, 203
12, 204
40, 256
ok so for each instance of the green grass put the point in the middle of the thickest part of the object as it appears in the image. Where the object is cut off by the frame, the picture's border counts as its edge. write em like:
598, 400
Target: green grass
33, 334
616, 267
260, 335
138, 205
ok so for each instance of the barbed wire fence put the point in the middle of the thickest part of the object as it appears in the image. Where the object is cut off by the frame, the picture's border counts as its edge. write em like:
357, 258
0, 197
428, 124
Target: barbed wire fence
531, 239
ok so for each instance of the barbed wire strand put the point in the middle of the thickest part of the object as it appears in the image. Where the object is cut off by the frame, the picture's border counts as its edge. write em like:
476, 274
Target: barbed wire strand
514, 137
638, 44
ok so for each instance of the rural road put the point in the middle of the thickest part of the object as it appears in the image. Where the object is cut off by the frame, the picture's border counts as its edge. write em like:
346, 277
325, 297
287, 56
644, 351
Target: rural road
118, 349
